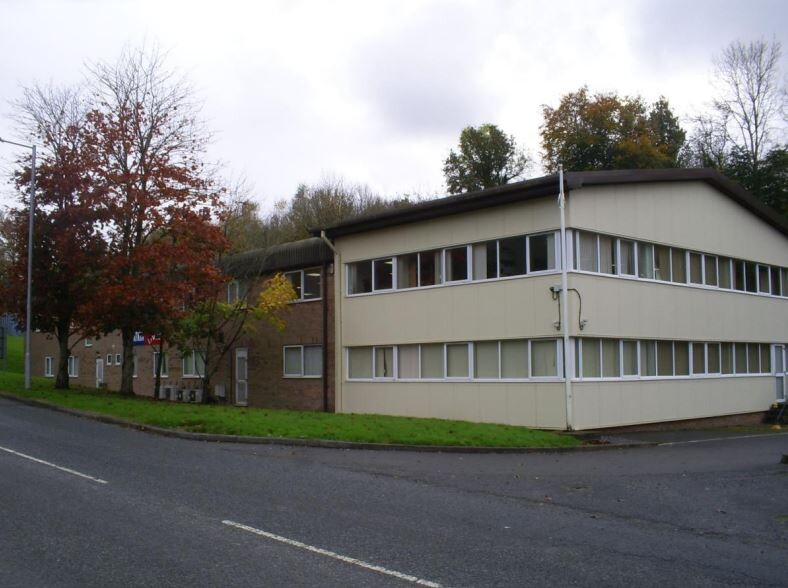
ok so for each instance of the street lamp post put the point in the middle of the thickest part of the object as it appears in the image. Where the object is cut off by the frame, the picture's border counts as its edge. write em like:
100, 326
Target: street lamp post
29, 309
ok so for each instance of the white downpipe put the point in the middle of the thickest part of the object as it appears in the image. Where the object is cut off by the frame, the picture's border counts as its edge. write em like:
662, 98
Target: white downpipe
338, 344
564, 302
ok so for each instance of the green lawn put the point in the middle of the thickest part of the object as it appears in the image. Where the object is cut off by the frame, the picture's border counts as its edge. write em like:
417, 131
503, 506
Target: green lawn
284, 423
15, 361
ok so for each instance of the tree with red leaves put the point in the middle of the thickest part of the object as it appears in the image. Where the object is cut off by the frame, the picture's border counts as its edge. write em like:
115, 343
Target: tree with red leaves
68, 249
160, 208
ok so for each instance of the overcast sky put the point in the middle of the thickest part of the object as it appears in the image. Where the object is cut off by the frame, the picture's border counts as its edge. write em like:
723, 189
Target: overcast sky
374, 91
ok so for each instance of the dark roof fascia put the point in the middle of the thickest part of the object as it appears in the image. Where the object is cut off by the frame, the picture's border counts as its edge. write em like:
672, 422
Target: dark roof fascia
284, 257
548, 186
535, 188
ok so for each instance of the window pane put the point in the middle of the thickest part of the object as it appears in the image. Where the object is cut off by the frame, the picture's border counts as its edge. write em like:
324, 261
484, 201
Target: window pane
313, 360
753, 358
776, 289
695, 264
384, 273
544, 360
784, 281
457, 264
662, 263
738, 275
590, 351
678, 271
430, 264
407, 270
763, 279
586, 254
384, 362
457, 360
627, 257
514, 359
408, 361
681, 355
724, 267
512, 252
664, 358
630, 349
360, 362
610, 362
698, 358
360, 277
713, 358
726, 358
432, 360
740, 356
750, 277
645, 261
710, 265
199, 363
188, 364
766, 358
295, 280
312, 283
485, 260
542, 252
607, 255
485, 359
648, 358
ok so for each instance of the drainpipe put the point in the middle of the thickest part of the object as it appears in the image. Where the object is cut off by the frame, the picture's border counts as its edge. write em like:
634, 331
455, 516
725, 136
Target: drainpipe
565, 301
324, 282
337, 325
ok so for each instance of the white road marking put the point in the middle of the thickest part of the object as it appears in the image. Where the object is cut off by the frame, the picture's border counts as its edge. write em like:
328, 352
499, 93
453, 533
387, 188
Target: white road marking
344, 558
52, 465
668, 443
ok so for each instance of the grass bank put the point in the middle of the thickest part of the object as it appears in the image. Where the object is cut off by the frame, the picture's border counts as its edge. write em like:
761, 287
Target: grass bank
15, 359
258, 422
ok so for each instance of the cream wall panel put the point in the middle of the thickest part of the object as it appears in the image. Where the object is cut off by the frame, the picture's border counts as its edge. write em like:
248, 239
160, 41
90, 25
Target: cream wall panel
523, 404
521, 307
692, 215
500, 221
621, 403
617, 307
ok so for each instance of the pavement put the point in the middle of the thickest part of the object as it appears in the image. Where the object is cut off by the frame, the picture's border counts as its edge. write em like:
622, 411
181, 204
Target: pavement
174, 512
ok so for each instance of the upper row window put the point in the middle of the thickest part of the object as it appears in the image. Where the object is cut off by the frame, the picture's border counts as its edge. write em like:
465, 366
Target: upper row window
306, 283
501, 258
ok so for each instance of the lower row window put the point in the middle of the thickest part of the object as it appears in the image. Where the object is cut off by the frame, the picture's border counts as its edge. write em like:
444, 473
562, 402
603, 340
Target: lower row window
508, 359
303, 361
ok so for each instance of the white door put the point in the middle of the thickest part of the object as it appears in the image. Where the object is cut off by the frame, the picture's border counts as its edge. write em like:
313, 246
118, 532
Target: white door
99, 372
779, 371
241, 374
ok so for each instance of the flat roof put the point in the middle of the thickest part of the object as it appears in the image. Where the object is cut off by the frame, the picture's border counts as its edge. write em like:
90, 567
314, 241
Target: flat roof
548, 186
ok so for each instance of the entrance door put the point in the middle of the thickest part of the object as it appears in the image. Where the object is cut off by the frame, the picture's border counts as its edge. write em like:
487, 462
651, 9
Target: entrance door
99, 372
241, 374
779, 371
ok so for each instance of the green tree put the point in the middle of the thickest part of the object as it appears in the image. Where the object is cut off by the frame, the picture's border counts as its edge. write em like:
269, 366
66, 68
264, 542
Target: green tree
606, 131
486, 157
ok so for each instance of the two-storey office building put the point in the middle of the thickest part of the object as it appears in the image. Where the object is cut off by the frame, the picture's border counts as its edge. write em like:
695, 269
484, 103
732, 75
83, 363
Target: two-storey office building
677, 305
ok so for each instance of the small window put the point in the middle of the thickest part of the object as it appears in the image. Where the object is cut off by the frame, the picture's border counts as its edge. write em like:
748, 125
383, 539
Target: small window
710, 270
514, 359
630, 357
73, 366
775, 281
48, 367
359, 277
193, 364
165, 364
681, 358
384, 362
117, 359
485, 260
626, 257
312, 283
662, 263
293, 367
88, 342
607, 255
408, 362
383, 274
457, 360
724, 270
611, 366
590, 352
648, 358
664, 358
713, 358
726, 358
753, 358
360, 362
678, 262
456, 264
696, 268
432, 361
303, 361
763, 279
541, 253
430, 268
544, 358
766, 358
586, 252
408, 271
698, 358
750, 277
511, 253
740, 357
738, 275
485, 359
646, 261
313, 361
109, 359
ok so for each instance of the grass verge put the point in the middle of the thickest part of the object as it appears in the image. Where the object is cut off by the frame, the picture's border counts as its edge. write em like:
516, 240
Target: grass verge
15, 358
258, 422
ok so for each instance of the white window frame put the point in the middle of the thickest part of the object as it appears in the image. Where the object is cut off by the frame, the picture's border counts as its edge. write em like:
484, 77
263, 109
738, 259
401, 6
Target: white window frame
196, 373
469, 353
395, 365
48, 371
88, 342
468, 265
118, 359
73, 366
109, 359
301, 276
557, 252
165, 368
375, 288
302, 356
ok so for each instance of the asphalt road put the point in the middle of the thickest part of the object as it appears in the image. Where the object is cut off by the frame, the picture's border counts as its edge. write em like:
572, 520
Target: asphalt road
168, 512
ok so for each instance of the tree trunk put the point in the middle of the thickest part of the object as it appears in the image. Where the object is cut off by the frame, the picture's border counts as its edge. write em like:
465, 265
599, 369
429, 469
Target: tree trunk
127, 371
61, 380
